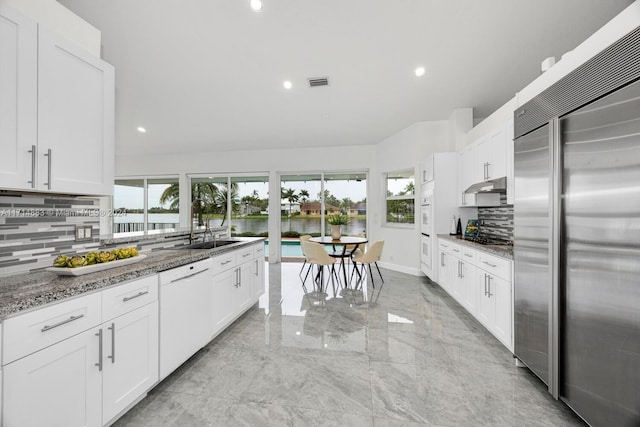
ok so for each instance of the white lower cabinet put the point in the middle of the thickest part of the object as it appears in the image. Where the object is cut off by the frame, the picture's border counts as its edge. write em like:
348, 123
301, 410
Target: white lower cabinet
238, 284
481, 283
495, 306
243, 295
76, 367
57, 386
469, 293
130, 359
222, 299
257, 285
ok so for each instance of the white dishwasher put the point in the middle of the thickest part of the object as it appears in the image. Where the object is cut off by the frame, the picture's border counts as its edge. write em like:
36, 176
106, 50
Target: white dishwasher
185, 313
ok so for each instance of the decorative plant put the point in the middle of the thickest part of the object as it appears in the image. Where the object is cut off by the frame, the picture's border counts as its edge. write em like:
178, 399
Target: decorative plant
338, 219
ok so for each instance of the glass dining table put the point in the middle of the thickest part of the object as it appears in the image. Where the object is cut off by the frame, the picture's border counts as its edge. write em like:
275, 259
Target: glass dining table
342, 248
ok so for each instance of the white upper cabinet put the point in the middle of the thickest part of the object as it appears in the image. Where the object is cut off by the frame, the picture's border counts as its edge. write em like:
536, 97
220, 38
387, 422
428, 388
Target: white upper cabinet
57, 123
18, 103
491, 156
75, 118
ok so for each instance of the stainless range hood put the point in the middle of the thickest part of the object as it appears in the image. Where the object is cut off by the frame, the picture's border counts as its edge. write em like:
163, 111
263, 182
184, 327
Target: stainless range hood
498, 185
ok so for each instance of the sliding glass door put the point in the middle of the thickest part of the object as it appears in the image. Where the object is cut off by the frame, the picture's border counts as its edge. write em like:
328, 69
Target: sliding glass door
306, 200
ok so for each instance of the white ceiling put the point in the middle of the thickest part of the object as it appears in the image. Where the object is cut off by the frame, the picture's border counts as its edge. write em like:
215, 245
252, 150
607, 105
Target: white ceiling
206, 75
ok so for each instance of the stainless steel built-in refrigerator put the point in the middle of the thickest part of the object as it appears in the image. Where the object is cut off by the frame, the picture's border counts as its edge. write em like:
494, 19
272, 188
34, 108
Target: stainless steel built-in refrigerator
577, 236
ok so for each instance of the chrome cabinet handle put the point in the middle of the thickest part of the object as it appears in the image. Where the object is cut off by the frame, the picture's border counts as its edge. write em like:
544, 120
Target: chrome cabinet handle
441, 259
99, 364
461, 270
257, 267
489, 294
489, 264
48, 155
488, 174
33, 166
485, 285
189, 275
462, 199
468, 255
46, 328
246, 255
139, 294
112, 328
225, 262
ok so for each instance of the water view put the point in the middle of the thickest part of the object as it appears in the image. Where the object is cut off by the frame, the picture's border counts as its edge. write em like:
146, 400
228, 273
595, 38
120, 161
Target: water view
134, 222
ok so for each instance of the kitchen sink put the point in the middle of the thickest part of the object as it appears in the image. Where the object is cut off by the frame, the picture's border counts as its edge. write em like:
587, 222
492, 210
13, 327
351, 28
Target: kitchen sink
208, 245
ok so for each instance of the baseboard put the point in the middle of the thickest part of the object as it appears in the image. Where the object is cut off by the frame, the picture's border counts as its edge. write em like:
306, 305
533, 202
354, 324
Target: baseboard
401, 268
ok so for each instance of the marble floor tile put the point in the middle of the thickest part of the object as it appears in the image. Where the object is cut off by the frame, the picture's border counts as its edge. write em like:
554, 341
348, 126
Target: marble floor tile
402, 354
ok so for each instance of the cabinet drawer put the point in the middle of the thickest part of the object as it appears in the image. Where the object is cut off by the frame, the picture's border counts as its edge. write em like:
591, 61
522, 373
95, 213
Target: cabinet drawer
445, 245
456, 250
495, 265
223, 262
184, 271
470, 255
244, 255
30, 332
124, 298
258, 250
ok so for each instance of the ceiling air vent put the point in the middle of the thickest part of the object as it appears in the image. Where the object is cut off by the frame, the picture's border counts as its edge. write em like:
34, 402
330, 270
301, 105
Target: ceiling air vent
318, 81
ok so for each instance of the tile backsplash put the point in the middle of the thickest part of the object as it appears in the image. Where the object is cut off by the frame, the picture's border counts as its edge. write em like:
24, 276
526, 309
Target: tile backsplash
496, 223
34, 229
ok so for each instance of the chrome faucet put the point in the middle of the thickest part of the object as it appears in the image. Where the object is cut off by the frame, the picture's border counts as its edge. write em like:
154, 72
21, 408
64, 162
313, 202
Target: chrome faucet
209, 232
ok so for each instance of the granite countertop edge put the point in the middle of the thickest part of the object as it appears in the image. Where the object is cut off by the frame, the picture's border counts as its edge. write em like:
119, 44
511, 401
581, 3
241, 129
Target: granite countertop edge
29, 291
504, 251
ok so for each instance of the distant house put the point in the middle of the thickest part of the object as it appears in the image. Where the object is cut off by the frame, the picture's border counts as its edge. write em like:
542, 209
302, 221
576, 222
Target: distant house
357, 209
314, 208
248, 209
286, 207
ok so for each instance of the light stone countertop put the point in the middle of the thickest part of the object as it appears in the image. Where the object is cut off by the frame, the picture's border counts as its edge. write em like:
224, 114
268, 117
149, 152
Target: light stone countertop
33, 290
504, 251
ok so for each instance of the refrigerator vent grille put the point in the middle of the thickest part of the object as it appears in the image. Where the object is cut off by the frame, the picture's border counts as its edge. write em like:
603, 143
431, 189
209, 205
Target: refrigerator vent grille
612, 68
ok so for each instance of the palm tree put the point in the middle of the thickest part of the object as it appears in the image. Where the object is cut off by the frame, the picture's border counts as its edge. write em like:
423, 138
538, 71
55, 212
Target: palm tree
289, 194
202, 197
171, 194
304, 196
220, 200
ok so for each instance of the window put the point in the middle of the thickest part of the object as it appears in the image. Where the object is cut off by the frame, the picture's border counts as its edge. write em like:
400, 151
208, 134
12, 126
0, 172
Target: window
400, 197
146, 204
240, 203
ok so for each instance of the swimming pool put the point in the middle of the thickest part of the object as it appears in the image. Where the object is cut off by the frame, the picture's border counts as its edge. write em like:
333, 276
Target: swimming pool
289, 248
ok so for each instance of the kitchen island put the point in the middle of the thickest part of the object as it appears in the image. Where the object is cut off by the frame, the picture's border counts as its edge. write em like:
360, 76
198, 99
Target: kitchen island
84, 349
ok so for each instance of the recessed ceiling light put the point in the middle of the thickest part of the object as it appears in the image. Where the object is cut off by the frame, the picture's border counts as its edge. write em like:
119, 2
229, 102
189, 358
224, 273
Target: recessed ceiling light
141, 129
256, 5
287, 84
419, 71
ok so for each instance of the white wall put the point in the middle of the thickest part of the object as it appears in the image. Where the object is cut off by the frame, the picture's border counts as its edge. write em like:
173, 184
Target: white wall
403, 150
61, 20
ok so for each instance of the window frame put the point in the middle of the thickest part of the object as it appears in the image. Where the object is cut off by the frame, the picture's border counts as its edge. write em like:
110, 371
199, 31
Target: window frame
145, 189
386, 198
